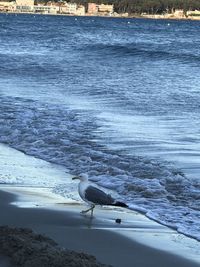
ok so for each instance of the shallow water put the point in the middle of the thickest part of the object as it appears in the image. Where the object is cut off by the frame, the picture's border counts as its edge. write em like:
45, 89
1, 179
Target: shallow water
115, 98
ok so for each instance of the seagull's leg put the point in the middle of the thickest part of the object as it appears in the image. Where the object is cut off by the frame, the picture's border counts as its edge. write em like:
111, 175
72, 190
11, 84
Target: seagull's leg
85, 211
91, 208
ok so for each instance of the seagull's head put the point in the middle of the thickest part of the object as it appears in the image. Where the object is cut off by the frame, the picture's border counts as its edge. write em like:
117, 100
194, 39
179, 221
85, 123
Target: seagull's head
81, 177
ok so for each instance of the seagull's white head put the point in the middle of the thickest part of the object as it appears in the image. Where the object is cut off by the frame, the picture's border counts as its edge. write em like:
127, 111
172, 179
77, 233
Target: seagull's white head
81, 177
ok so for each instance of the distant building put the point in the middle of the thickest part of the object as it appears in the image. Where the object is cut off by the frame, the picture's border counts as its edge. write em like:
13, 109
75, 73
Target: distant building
92, 9
25, 9
7, 6
71, 8
24, 2
68, 8
46, 9
95, 9
51, 7
80, 10
193, 13
178, 13
105, 8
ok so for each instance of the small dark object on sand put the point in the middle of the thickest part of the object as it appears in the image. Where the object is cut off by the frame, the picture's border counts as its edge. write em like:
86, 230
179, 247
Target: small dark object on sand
118, 220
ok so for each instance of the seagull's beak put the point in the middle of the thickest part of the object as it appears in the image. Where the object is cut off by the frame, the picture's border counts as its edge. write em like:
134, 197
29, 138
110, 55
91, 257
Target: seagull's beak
75, 178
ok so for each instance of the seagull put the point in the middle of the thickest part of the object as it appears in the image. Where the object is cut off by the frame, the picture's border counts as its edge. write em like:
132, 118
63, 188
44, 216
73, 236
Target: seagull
94, 196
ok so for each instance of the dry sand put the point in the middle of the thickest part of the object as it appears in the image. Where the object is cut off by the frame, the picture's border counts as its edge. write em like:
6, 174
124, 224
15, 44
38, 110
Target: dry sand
28, 249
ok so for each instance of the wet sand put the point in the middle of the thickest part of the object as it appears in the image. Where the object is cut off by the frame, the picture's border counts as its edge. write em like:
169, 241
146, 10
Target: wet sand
111, 243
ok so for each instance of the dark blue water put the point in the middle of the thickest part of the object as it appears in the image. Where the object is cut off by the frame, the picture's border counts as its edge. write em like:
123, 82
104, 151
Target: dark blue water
117, 99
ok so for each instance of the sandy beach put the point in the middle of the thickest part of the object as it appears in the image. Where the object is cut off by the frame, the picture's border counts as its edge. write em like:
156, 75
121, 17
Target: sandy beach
136, 241
111, 243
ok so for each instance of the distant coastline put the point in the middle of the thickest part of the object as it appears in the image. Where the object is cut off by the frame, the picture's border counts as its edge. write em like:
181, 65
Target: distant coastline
102, 9
128, 16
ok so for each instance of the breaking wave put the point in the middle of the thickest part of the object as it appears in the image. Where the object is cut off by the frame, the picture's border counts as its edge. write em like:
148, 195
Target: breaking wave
71, 138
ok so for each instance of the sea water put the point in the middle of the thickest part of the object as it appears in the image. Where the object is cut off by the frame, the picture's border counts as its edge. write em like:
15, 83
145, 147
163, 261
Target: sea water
118, 99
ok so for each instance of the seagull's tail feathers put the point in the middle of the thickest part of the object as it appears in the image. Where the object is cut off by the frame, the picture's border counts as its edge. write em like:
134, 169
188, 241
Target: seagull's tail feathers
120, 204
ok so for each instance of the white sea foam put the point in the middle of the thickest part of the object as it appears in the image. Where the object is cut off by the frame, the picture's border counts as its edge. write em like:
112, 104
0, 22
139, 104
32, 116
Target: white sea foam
67, 137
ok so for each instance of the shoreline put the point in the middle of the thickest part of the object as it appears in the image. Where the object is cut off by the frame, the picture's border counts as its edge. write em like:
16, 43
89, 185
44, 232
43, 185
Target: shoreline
137, 240
132, 16
31, 204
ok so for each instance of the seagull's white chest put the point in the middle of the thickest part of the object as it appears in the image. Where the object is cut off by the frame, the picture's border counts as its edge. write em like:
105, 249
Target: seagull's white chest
81, 189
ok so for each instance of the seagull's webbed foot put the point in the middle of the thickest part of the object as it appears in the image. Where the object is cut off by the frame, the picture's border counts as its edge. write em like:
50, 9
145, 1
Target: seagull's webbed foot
91, 208
84, 211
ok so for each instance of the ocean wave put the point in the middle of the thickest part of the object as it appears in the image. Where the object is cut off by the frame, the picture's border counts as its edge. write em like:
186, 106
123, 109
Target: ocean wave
69, 137
142, 50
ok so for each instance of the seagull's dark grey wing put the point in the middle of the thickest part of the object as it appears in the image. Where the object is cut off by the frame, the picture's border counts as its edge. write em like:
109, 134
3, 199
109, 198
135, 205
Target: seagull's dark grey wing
97, 196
